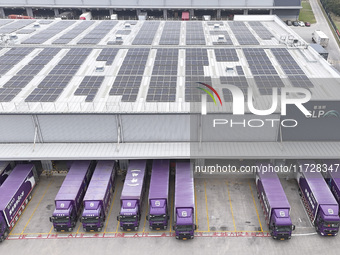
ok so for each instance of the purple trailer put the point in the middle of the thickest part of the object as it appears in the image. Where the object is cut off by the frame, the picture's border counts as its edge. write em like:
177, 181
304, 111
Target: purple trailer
98, 196
184, 210
333, 177
320, 204
274, 203
5, 170
158, 215
68, 202
131, 199
15, 192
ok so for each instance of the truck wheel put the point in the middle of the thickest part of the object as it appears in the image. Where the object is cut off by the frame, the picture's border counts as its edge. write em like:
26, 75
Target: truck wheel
99, 229
5, 235
70, 229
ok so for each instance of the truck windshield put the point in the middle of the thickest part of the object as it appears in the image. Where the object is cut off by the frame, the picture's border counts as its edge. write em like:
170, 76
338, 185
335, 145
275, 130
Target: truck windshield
158, 217
331, 224
283, 228
60, 219
128, 218
89, 219
184, 228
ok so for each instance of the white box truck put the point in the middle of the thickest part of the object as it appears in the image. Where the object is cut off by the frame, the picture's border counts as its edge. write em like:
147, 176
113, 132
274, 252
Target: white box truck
319, 37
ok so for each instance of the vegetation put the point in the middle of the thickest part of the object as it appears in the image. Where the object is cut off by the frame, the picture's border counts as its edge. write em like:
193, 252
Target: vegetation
306, 13
332, 5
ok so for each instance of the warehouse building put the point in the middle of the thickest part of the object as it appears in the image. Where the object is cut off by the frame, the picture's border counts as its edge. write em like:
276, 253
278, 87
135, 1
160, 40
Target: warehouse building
128, 90
286, 9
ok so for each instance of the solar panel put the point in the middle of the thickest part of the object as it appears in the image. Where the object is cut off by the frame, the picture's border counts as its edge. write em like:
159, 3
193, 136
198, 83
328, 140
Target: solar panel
216, 41
89, 87
195, 61
108, 55
226, 55
287, 62
98, 32
261, 30
258, 62
195, 33
146, 33
171, 33
127, 87
192, 94
242, 33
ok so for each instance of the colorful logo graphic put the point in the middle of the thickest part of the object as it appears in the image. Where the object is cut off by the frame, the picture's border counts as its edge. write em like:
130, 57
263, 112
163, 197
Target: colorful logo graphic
209, 93
332, 113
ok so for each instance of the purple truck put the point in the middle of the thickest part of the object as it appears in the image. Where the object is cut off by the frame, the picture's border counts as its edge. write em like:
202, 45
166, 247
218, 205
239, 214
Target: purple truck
274, 203
320, 204
333, 177
68, 202
98, 196
5, 170
15, 192
131, 199
184, 210
158, 215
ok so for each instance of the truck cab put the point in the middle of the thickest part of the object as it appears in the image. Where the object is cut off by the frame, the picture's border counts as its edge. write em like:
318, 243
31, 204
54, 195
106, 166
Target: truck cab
158, 214
64, 216
129, 215
3, 228
280, 225
93, 217
327, 220
184, 226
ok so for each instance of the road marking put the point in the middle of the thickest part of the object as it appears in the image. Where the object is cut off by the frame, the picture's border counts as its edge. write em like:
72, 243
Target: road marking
206, 204
306, 234
196, 206
35, 209
108, 218
231, 206
258, 216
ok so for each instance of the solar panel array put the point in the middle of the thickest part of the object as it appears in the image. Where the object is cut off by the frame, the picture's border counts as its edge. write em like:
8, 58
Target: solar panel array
108, 55
264, 73
123, 32
238, 81
73, 33
261, 30
98, 33
163, 82
12, 57
295, 74
13, 87
227, 39
195, 33
130, 75
26, 31
51, 87
11, 27
226, 55
171, 33
146, 33
242, 33
196, 59
47, 34
89, 87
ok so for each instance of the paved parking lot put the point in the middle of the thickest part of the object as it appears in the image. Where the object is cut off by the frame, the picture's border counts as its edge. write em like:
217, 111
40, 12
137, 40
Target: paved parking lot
224, 207
229, 218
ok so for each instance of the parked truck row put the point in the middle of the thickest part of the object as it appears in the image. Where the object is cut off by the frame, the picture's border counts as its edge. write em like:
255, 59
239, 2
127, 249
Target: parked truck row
88, 188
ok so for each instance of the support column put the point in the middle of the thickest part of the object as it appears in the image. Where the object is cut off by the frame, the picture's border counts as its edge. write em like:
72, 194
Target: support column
191, 13
83, 10
111, 11
165, 14
29, 11
2, 13
245, 12
271, 12
138, 12
218, 14
56, 12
